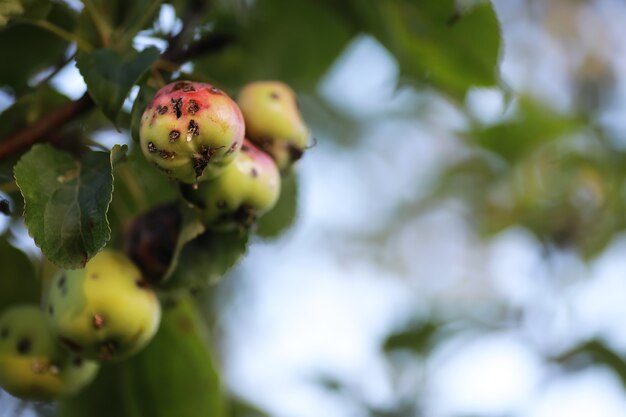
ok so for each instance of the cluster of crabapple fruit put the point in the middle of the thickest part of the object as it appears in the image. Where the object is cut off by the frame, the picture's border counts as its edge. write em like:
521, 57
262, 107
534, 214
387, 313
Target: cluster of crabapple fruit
195, 133
109, 310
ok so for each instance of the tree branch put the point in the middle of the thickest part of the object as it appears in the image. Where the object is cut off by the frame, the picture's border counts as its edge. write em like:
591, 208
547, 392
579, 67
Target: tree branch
40, 130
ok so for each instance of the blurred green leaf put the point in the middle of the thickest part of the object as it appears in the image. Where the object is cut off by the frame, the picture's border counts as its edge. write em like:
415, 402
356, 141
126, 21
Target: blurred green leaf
174, 376
438, 42
39, 49
533, 125
110, 76
66, 202
206, 259
418, 338
282, 216
594, 352
18, 283
435, 41
240, 408
291, 40
144, 97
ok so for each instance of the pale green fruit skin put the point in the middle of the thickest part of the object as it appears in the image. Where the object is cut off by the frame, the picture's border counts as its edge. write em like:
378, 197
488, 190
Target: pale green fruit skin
191, 155
273, 120
251, 183
105, 311
43, 371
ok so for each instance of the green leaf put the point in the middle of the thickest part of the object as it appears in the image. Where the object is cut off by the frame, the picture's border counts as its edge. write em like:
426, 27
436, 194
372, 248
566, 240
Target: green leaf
240, 408
206, 259
598, 353
191, 228
444, 43
282, 40
38, 48
110, 76
18, 283
533, 125
174, 376
282, 216
66, 202
144, 97
436, 42
420, 337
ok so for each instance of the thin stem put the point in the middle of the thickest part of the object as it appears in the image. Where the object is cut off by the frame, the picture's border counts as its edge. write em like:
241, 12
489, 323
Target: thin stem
101, 25
82, 44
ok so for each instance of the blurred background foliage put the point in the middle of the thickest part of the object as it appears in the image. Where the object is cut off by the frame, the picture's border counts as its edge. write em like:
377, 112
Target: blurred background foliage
453, 245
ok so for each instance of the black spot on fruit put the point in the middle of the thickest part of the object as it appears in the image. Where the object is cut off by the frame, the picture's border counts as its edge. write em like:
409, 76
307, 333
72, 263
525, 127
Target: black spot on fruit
254, 173
24, 346
167, 155
62, 281
141, 283
70, 344
193, 107
51, 310
151, 147
199, 164
274, 95
193, 128
174, 135
177, 104
162, 109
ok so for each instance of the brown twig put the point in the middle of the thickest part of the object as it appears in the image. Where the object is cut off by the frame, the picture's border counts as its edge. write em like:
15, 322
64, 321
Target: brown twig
39, 131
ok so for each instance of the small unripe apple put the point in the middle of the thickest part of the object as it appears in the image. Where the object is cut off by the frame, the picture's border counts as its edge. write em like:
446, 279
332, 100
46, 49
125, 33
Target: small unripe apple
32, 365
191, 130
248, 188
273, 121
106, 311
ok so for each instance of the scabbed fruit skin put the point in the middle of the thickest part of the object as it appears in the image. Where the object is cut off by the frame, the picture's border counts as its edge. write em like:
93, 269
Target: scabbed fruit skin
273, 121
32, 365
248, 188
191, 130
105, 311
